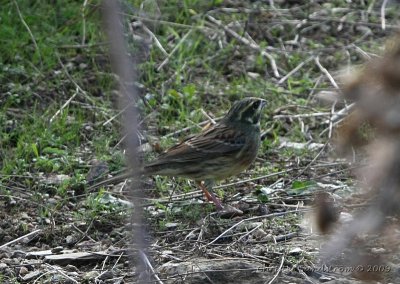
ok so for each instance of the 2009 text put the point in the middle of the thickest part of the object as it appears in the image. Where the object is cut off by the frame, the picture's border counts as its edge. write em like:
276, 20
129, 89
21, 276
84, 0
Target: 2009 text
348, 269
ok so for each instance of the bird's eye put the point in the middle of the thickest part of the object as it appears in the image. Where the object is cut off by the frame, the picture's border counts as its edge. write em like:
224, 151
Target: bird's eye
256, 104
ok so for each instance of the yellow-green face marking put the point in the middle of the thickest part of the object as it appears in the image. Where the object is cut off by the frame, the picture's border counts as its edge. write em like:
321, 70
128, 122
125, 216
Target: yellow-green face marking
247, 110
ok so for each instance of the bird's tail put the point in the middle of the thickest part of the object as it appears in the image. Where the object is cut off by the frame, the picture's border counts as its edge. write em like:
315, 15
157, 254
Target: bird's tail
118, 178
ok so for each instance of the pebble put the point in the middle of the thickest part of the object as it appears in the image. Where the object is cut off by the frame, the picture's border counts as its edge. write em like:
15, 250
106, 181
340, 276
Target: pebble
31, 275
106, 275
296, 251
18, 253
171, 225
24, 216
378, 250
23, 271
91, 275
71, 268
57, 249
324, 279
69, 239
7, 261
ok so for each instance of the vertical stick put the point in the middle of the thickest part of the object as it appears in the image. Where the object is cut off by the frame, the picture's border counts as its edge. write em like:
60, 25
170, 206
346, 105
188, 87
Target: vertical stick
125, 68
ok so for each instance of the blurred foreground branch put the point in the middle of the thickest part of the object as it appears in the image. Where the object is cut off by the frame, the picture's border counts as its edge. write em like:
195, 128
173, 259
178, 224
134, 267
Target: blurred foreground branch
373, 127
124, 66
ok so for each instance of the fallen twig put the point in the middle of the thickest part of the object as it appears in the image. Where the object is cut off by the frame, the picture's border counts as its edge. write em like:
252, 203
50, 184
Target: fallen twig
279, 270
256, 218
248, 43
20, 238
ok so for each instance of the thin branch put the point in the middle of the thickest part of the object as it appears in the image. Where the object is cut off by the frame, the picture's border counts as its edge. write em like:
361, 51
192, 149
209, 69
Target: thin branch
303, 115
64, 105
383, 20
174, 50
118, 114
279, 270
247, 42
86, 95
337, 118
29, 31
58, 270
297, 68
256, 218
253, 179
157, 42
206, 115
326, 72
84, 21
245, 235
20, 238
146, 260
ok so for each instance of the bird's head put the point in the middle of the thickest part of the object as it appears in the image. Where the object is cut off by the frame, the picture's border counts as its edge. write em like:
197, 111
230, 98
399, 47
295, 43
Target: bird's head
247, 111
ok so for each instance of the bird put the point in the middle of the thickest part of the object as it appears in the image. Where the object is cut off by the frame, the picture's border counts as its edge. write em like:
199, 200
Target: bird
220, 151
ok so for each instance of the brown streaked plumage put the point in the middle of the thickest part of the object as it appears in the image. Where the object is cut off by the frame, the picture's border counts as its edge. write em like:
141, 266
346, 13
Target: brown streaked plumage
222, 150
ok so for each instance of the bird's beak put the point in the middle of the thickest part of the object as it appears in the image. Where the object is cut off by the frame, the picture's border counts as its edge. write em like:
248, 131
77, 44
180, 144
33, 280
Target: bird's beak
263, 103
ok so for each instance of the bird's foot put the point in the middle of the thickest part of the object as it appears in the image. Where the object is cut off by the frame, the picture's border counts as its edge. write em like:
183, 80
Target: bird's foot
229, 211
224, 211
211, 197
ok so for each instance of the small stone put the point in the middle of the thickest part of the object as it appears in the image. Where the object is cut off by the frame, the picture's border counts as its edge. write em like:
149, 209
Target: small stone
57, 278
249, 226
24, 216
19, 246
71, 268
260, 234
296, 251
70, 239
3, 266
171, 225
4, 255
23, 271
263, 209
378, 250
167, 252
269, 237
345, 217
7, 261
31, 275
23, 241
257, 251
88, 127
74, 274
55, 179
191, 236
52, 201
106, 275
325, 278
57, 249
18, 253
253, 75
91, 275
69, 65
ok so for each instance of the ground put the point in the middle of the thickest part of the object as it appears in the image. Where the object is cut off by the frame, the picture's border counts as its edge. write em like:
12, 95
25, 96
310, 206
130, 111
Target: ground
61, 128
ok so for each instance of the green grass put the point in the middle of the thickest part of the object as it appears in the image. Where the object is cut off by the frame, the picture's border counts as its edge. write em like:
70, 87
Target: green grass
62, 52
38, 78
43, 67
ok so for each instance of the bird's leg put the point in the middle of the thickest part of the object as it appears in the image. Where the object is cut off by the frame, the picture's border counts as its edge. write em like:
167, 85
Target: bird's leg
209, 195
204, 189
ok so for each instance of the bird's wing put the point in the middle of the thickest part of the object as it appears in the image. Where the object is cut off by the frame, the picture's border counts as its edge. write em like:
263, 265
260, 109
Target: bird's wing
214, 142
